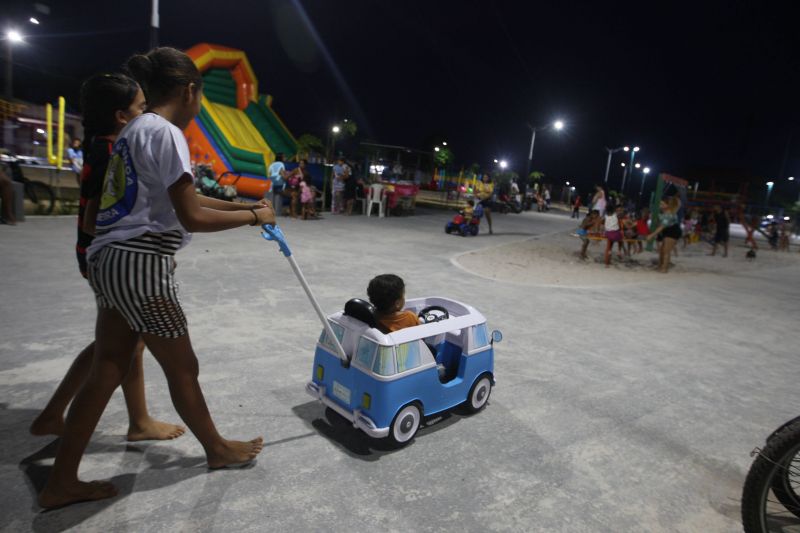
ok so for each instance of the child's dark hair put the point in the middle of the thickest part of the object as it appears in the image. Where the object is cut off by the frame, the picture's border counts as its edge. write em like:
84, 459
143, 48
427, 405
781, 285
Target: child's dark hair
161, 71
102, 96
470, 202
385, 290
279, 156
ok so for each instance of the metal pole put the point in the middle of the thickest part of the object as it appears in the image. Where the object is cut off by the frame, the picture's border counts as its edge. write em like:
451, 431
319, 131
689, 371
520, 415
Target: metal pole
624, 175
608, 163
530, 154
154, 22
9, 92
641, 189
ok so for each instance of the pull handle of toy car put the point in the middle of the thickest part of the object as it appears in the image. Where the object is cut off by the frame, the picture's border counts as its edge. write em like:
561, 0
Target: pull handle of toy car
274, 233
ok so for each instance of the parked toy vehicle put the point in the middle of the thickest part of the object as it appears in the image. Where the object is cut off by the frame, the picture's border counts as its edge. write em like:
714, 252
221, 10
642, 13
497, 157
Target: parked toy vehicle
465, 227
389, 382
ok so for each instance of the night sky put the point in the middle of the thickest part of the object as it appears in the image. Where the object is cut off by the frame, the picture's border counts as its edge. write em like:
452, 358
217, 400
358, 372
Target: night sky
707, 89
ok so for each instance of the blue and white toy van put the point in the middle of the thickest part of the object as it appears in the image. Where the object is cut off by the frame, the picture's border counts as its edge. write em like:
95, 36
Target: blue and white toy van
387, 382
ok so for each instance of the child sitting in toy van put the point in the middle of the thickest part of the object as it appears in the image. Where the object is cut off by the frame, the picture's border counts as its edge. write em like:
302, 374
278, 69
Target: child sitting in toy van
387, 293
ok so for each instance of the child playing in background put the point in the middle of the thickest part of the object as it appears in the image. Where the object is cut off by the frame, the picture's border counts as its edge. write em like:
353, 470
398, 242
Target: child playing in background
387, 293
308, 194
468, 210
587, 224
642, 230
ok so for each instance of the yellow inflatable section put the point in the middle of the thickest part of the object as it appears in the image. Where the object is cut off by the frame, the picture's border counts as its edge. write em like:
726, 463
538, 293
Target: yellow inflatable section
239, 129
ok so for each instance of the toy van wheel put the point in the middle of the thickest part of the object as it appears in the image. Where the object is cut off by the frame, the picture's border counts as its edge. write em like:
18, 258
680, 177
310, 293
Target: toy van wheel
405, 425
464, 231
474, 230
479, 394
448, 228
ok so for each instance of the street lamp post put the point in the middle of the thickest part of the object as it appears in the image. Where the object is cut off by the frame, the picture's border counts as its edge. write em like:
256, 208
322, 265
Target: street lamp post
645, 172
558, 125
611, 151
633, 154
769, 190
12, 37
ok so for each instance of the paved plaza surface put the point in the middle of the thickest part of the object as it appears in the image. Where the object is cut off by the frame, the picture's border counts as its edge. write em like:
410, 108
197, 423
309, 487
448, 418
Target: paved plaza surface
630, 403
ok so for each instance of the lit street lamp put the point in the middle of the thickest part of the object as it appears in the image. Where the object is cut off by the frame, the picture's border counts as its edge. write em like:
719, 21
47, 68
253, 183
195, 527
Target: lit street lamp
611, 151
769, 190
645, 172
503, 164
12, 37
558, 125
633, 154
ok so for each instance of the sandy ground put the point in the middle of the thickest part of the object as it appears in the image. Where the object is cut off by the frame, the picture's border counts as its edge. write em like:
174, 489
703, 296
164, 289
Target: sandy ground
626, 400
554, 259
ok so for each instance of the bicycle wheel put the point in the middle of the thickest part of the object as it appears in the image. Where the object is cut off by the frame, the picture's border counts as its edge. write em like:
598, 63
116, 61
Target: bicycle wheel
770, 499
41, 195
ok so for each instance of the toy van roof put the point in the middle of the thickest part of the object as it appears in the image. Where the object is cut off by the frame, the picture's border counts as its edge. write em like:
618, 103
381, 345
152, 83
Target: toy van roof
461, 316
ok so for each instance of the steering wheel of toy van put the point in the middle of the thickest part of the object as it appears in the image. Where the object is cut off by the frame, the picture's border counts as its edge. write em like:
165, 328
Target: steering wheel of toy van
433, 313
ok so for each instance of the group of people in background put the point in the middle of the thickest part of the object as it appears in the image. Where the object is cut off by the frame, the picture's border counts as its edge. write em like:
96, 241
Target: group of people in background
629, 229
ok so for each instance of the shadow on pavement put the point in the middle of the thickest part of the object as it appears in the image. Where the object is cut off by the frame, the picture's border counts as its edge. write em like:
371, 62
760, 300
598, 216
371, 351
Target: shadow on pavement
355, 442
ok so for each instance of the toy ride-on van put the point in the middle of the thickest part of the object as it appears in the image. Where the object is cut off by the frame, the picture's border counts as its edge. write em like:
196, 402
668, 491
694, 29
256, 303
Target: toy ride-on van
389, 381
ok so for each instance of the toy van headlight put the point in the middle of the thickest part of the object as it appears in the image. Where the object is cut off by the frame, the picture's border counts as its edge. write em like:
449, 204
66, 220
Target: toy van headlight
366, 401
320, 372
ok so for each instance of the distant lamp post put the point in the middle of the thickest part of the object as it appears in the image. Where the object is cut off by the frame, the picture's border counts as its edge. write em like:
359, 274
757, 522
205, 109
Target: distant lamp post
633, 154
769, 190
791, 178
12, 37
34, 20
444, 143
436, 148
645, 172
558, 125
611, 151
335, 131
503, 164
496, 161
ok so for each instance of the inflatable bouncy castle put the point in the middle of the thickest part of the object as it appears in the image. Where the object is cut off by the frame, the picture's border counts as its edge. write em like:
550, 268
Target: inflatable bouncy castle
237, 132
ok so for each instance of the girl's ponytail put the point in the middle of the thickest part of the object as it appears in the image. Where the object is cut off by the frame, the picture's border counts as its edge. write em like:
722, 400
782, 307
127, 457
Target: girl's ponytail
161, 71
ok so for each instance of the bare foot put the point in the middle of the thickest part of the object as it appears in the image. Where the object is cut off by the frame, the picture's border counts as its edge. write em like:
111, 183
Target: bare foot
47, 425
154, 429
233, 452
53, 496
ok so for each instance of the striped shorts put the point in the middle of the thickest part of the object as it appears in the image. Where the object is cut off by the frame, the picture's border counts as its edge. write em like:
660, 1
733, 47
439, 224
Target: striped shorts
136, 277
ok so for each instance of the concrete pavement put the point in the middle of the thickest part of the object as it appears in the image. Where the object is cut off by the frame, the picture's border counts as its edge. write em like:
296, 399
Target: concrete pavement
617, 408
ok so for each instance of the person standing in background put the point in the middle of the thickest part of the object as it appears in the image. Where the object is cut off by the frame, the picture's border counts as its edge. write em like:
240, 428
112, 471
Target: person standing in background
75, 156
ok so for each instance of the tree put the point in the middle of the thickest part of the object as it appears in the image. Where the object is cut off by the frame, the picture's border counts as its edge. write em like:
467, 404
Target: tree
443, 156
535, 179
308, 143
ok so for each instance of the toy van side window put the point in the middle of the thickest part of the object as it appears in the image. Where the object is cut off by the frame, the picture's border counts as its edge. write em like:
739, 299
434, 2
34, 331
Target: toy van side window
384, 361
326, 341
480, 337
409, 355
365, 352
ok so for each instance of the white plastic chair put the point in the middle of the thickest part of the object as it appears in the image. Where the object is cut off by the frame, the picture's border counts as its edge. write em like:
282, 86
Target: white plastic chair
376, 196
